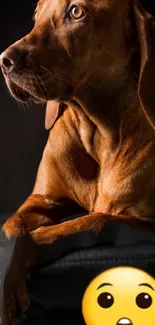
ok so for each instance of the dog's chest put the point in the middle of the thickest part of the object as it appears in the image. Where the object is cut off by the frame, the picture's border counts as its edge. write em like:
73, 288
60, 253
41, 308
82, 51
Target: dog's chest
114, 192
127, 187
124, 186
99, 180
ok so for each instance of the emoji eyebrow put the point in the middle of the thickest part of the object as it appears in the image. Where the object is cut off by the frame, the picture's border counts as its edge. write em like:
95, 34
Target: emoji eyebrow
147, 285
104, 284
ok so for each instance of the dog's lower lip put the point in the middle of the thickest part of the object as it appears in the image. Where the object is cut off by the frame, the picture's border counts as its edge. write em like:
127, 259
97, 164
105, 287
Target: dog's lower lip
27, 96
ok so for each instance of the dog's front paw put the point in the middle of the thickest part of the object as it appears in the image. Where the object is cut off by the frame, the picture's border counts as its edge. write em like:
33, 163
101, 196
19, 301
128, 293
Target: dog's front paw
13, 294
13, 226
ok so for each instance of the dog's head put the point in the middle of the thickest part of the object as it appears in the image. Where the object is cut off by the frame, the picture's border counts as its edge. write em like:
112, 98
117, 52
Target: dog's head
75, 40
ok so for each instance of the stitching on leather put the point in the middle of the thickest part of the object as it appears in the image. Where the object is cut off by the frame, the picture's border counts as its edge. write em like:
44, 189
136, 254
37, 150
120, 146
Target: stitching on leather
109, 260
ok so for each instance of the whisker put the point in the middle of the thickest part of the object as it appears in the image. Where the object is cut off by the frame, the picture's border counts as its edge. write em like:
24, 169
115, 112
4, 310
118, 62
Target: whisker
91, 88
62, 73
38, 84
41, 82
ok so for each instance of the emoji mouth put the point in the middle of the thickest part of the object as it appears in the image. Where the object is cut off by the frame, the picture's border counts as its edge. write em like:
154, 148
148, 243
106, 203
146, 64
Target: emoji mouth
124, 321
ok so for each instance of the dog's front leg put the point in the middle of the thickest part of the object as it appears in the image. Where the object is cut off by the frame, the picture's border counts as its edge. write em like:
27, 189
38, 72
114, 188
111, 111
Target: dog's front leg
20, 251
80, 232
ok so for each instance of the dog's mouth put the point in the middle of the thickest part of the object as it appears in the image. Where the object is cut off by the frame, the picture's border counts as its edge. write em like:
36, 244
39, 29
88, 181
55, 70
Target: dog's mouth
24, 87
21, 93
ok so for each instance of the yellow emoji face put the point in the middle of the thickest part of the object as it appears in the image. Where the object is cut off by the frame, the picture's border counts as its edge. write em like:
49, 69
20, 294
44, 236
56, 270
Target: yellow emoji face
120, 296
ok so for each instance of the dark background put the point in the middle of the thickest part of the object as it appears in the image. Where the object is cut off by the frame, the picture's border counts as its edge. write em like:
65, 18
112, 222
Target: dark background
22, 139
22, 133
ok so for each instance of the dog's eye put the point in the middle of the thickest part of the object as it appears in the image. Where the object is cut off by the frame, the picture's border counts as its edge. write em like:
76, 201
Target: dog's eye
77, 12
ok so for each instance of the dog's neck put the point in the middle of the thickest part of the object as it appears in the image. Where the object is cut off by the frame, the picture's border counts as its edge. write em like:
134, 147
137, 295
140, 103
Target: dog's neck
106, 105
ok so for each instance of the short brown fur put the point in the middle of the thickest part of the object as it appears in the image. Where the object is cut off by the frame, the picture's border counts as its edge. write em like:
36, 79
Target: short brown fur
100, 151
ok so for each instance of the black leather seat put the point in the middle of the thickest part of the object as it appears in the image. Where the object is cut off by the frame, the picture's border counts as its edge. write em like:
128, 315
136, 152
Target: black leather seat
56, 288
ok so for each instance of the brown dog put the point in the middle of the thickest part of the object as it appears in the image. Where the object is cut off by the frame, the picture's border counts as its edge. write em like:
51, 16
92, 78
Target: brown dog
94, 62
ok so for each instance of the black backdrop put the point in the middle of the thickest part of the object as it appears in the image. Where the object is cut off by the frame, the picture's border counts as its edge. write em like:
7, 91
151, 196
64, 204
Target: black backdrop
22, 138
22, 133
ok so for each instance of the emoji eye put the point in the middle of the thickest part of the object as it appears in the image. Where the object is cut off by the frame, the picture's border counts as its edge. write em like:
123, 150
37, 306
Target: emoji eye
77, 12
144, 300
105, 300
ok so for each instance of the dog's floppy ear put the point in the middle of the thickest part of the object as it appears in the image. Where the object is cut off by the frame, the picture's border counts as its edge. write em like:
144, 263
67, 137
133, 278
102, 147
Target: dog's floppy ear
145, 23
53, 111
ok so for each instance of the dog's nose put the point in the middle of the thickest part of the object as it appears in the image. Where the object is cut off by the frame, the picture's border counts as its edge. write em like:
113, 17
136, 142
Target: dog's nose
7, 61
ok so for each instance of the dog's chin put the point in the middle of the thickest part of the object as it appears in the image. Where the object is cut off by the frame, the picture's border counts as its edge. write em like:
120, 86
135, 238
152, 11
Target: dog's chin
21, 94
18, 93
25, 95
